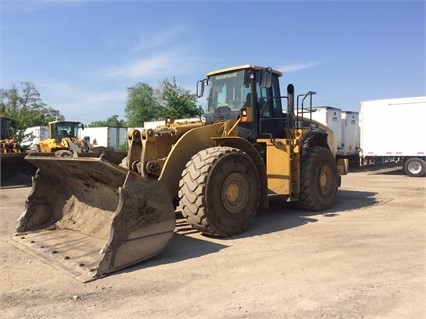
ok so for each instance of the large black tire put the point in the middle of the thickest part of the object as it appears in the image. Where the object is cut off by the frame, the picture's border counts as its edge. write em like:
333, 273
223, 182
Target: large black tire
219, 191
319, 179
415, 167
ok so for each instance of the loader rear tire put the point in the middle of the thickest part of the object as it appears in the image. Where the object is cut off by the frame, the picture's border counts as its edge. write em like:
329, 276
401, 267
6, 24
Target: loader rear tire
319, 179
219, 191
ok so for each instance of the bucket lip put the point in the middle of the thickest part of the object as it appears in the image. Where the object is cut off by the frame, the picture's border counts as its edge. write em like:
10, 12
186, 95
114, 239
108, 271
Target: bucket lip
52, 157
36, 245
135, 217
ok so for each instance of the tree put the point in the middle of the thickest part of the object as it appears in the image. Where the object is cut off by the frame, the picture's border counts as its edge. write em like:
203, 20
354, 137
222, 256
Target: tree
112, 121
177, 101
24, 105
168, 99
141, 105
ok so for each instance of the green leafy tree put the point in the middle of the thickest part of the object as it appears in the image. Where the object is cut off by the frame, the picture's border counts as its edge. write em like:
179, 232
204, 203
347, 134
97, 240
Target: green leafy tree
112, 121
141, 105
176, 101
25, 107
145, 103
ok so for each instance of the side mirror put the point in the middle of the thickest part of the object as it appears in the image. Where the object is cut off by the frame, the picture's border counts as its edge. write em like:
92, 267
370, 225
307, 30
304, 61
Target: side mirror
266, 78
200, 87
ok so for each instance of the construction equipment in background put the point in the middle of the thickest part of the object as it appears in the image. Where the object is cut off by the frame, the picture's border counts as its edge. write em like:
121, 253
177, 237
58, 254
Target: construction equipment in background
63, 139
93, 217
8, 144
13, 165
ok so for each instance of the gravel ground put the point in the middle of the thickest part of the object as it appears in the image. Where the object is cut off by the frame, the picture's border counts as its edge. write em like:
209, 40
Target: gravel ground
365, 258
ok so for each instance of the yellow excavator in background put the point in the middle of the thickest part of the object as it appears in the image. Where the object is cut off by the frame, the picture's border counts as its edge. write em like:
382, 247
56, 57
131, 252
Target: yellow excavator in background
93, 217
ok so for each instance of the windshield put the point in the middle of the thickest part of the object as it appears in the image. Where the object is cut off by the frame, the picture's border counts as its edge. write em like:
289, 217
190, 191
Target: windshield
228, 91
66, 129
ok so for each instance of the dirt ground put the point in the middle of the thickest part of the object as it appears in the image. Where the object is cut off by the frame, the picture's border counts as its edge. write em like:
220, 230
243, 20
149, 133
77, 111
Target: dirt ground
363, 259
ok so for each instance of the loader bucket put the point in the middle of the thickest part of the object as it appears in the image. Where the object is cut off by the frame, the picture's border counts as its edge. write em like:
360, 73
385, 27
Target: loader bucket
90, 217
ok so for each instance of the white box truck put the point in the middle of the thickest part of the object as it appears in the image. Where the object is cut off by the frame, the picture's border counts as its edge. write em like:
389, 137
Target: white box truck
393, 130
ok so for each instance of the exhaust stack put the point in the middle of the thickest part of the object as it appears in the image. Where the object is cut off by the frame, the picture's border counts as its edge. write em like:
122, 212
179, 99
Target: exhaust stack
290, 104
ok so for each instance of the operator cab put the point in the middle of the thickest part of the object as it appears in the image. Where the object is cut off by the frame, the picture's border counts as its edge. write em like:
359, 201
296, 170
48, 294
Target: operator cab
62, 129
252, 88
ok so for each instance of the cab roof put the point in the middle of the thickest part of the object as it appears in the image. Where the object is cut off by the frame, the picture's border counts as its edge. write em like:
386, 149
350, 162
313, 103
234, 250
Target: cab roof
242, 67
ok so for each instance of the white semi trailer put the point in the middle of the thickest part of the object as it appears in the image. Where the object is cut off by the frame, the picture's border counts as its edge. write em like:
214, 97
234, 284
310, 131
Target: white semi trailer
350, 134
332, 118
113, 137
345, 126
393, 130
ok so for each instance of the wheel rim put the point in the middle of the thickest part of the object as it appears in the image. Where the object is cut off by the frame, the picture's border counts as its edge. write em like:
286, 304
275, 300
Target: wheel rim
235, 193
324, 179
414, 167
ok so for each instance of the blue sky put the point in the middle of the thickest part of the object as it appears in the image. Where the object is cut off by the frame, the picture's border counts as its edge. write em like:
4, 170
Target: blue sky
83, 55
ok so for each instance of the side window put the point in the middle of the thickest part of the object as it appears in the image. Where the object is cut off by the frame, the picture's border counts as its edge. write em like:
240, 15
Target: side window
276, 98
263, 101
269, 99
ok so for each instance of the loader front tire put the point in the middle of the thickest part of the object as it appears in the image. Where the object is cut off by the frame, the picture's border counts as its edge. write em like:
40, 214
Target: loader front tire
318, 179
219, 191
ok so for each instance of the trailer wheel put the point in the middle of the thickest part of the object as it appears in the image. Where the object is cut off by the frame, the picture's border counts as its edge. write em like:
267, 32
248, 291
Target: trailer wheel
219, 191
318, 179
415, 167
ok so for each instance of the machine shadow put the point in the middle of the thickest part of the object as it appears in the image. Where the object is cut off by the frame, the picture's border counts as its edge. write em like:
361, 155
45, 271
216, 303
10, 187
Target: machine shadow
282, 215
181, 247
188, 243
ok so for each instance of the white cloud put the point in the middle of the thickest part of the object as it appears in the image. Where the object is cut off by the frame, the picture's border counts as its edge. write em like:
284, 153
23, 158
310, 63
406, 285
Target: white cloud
157, 40
145, 67
297, 66
82, 104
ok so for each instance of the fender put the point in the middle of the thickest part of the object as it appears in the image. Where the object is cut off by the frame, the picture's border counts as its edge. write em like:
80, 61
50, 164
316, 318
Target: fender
316, 138
188, 145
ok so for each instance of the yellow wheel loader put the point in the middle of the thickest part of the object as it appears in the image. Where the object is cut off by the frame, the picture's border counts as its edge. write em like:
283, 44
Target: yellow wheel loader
63, 139
92, 217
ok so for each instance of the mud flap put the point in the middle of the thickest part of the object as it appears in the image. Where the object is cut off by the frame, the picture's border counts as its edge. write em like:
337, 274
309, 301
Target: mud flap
91, 218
